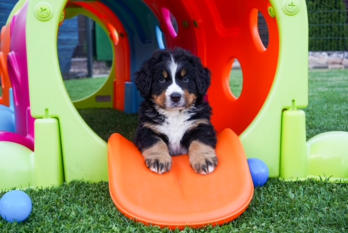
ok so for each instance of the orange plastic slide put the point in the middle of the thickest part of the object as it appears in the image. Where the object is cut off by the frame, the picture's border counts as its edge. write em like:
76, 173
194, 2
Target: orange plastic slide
5, 79
181, 197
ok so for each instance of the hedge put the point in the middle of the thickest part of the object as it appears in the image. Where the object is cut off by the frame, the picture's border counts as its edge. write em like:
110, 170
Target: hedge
328, 25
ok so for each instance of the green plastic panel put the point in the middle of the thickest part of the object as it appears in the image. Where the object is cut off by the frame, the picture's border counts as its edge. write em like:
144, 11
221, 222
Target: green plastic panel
293, 161
262, 138
84, 153
104, 49
48, 167
23, 168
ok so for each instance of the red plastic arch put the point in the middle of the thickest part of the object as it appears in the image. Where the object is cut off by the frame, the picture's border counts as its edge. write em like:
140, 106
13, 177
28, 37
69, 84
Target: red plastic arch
218, 32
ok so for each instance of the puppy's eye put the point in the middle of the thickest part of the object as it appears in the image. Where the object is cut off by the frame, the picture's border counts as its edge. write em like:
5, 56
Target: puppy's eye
164, 74
185, 79
183, 73
163, 77
162, 80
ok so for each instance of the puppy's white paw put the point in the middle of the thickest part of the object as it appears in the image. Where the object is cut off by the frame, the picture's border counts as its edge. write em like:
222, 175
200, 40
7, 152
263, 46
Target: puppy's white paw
157, 158
159, 164
204, 165
202, 158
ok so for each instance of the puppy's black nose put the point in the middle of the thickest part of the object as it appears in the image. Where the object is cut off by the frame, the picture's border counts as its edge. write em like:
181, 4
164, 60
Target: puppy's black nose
175, 97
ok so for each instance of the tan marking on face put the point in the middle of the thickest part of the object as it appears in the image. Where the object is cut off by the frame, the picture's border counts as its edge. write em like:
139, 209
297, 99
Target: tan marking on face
190, 98
183, 72
160, 100
199, 154
165, 74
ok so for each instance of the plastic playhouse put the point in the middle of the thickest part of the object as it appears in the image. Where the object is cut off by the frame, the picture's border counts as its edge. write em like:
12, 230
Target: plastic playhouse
45, 142
7, 120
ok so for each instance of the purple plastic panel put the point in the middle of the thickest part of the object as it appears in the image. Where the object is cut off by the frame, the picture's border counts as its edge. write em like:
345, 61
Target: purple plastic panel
18, 72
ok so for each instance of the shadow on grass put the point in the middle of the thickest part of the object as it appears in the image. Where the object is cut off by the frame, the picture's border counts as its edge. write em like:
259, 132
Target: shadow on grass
107, 121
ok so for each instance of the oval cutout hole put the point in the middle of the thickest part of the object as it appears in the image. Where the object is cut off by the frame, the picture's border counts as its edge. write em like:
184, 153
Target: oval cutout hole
236, 79
84, 60
81, 85
262, 29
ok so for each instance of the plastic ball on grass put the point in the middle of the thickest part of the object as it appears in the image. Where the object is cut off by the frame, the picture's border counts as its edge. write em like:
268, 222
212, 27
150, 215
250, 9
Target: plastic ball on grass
259, 171
15, 206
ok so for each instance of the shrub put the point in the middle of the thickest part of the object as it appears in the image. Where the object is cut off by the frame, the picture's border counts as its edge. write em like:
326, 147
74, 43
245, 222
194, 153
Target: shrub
328, 25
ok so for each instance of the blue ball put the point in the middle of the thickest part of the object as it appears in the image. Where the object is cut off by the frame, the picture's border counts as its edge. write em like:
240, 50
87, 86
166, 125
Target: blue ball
259, 171
15, 206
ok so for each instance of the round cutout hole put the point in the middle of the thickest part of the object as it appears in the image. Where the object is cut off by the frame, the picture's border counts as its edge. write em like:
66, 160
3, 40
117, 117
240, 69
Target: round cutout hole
259, 29
80, 85
236, 79
85, 56
263, 30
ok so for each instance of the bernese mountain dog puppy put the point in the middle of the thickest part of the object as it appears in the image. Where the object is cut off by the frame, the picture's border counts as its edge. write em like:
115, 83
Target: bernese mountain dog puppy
174, 118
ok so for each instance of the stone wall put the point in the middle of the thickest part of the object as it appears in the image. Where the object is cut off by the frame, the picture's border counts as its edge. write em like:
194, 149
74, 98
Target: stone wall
328, 60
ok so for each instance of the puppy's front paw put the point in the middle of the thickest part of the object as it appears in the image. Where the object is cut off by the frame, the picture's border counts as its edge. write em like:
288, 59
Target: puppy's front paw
204, 164
157, 158
159, 163
202, 158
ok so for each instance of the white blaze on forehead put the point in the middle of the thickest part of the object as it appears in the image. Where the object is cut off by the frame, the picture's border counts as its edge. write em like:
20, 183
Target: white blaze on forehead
173, 87
173, 66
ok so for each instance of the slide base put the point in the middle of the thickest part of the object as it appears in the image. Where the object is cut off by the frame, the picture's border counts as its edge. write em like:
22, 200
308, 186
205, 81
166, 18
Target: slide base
180, 197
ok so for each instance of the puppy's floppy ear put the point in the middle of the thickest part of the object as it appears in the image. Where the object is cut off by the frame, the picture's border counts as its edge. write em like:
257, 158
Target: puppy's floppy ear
143, 80
202, 77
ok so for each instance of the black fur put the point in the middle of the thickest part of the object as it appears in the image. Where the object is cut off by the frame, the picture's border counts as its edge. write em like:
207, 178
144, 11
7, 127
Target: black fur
144, 77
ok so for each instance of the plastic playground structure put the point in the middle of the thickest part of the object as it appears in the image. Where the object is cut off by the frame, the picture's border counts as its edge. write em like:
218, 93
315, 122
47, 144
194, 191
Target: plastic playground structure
45, 142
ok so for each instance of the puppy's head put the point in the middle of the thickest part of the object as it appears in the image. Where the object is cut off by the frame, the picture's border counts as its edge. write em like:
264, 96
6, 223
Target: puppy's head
173, 79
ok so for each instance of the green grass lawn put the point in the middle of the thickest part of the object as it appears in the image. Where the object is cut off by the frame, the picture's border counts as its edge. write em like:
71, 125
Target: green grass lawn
79, 88
328, 102
308, 206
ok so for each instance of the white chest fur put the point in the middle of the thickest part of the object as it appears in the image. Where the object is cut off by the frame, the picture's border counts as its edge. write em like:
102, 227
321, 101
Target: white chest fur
174, 127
